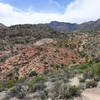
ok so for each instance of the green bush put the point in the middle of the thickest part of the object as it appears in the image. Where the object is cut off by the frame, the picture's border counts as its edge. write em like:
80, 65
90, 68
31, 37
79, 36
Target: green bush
33, 73
45, 63
82, 54
57, 66
52, 65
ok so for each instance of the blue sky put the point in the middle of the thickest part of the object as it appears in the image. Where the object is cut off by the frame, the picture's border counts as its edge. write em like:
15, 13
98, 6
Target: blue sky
44, 11
58, 6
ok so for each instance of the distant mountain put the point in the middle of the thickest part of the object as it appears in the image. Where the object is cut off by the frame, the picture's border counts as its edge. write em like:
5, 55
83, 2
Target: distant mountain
70, 27
62, 27
89, 26
2, 26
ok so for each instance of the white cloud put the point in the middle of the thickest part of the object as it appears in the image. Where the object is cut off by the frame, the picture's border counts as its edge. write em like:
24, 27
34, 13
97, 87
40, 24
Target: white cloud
77, 11
83, 10
10, 15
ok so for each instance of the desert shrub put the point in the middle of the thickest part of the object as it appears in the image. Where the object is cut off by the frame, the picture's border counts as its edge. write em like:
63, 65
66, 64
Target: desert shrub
37, 87
21, 95
88, 74
96, 60
2, 87
57, 66
46, 63
91, 84
63, 66
8, 84
82, 80
44, 95
71, 91
54, 79
39, 79
47, 71
10, 74
65, 80
52, 65
82, 54
33, 73
36, 80
83, 67
19, 91
97, 79
73, 61
40, 48
3, 59
0, 69
98, 70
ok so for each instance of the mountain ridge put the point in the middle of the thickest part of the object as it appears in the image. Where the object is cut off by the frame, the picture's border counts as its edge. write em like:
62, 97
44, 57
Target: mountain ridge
66, 26
71, 27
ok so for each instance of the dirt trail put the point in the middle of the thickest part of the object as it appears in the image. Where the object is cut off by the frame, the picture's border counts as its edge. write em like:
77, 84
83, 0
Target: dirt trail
91, 94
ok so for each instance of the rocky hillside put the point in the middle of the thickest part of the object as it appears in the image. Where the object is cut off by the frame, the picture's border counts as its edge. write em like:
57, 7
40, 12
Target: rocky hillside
26, 48
39, 57
25, 34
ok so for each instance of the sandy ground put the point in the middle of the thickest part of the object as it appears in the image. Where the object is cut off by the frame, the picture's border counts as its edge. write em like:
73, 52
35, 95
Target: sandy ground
91, 94
2, 95
88, 94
